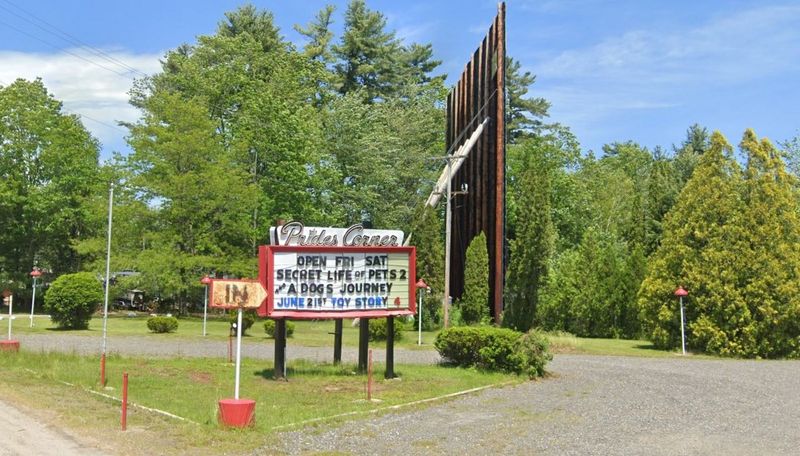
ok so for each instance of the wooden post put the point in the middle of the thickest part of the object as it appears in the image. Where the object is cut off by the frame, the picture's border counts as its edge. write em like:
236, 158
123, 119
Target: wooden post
124, 401
363, 344
337, 342
389, 348
280, 349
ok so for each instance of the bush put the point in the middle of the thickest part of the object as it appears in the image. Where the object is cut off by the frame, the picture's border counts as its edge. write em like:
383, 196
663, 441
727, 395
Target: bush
162, 324
248, 320
269, 328
378, 329
72, 298
494, 348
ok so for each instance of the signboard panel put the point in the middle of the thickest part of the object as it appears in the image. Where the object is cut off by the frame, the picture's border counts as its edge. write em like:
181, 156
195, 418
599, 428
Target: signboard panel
338, 282
235, 293
297, 234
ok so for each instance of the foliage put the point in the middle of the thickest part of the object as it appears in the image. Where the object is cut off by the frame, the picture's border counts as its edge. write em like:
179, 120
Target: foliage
49, 174
426, 235
523, 114
494, 348
379, 329
248, 319
732, 242
533, 244
72, 298
474, 302
162, 324
269, 328
592, 289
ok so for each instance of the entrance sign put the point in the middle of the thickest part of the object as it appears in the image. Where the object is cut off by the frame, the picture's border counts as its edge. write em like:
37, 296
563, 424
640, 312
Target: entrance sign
337, 282
236, 293
297, 234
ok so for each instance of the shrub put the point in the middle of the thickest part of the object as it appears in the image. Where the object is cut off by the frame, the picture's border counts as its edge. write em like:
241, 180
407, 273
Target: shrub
533, 347
72, 298
494, 348
378, 329
269, 328
162, 324
248, 320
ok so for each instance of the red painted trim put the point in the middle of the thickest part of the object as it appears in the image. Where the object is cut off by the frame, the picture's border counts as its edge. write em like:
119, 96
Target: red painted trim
266, 273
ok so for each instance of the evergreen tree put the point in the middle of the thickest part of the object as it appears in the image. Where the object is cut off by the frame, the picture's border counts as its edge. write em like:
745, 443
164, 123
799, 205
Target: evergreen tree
772, 282
533, 246
524, 113
474, 302
426, 235
592, 289
705, 250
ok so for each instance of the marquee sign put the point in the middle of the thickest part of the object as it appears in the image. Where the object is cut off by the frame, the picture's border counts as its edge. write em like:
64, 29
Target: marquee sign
295, 233
337, 282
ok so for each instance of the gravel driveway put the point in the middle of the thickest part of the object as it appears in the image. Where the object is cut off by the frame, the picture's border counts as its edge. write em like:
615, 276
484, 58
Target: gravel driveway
590, 405
595, 405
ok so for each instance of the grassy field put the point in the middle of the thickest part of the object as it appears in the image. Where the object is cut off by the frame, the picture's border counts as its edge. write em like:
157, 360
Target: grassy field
316, 333
63, 389
190, 388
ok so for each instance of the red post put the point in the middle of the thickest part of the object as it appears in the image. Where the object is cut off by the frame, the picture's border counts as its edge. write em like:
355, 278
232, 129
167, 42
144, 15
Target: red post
103, 370
124, 401
369, 377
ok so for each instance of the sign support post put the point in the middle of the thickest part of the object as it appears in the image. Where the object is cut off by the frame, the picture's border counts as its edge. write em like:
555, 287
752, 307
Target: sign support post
389, 348
280, 349
337, 341
363, 344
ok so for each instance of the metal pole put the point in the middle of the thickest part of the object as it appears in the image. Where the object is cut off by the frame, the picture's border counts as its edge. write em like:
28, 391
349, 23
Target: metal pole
448, 235
10, 312
33, 299
108, 269
419, 319
238, 352
205, 310
683, 337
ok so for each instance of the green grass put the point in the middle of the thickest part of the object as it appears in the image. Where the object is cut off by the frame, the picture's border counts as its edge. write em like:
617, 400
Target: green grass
311, 333
561, 343
191, 388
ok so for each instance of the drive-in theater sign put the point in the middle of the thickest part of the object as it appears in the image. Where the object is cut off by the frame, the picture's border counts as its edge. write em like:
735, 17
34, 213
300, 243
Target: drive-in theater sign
317, 273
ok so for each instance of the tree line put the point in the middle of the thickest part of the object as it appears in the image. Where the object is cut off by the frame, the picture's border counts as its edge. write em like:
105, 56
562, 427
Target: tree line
241, 128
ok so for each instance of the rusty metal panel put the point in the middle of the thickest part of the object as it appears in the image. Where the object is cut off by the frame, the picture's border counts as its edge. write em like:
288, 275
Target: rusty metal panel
477, 95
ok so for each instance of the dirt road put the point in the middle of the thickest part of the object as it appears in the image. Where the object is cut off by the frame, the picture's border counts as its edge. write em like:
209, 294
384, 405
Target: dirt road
23, 435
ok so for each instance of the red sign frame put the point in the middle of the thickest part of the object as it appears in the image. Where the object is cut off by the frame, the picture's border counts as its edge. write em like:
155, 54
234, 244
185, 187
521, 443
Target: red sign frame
266, 275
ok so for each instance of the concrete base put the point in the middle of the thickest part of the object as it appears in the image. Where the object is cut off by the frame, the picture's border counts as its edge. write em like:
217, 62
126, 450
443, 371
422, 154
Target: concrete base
237, 412
9, 345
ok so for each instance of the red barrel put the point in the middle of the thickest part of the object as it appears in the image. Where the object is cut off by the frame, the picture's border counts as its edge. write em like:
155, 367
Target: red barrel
237, 412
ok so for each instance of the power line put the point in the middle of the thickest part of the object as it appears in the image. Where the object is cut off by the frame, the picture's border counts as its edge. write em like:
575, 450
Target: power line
125, 75
55, 31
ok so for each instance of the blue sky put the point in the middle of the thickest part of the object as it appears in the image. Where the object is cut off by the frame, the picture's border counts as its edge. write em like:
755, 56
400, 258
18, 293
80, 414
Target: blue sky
614, 71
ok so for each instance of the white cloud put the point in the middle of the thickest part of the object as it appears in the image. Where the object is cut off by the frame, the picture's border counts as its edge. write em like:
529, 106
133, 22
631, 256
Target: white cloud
648, 69
98, 94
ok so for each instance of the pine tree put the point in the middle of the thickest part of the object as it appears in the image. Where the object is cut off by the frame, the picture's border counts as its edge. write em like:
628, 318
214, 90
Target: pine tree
474, 302
534, 243
704, 249
772, 284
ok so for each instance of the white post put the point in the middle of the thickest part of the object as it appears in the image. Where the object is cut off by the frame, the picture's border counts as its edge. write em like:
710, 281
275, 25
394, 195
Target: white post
108, 267
238, 352
683, 337
33, 299
10, 312
419, 319
448, 235
205, 310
